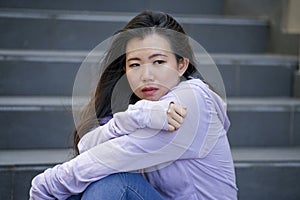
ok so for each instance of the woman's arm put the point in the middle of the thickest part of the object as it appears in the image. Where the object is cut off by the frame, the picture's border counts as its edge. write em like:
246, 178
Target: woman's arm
151, 114
145, 148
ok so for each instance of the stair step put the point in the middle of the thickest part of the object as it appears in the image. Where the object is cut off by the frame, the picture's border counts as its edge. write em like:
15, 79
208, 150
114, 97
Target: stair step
255, 155
38, 72
174, 6
263, 170
43, 122
47, 122
53, 73
267, 173
264, 121
28, 157
248, 75
83, 30
242, 156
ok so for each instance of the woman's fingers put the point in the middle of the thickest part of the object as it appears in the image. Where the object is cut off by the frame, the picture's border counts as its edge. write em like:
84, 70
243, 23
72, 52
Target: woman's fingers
174, 125
181, 110
171, 128
176, 114
176, 108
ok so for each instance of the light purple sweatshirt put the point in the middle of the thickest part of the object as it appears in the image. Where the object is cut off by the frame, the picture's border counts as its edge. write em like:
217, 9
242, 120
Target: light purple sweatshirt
192, 163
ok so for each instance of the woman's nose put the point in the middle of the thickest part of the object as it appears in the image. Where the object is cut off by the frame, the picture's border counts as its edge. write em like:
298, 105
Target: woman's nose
146, 74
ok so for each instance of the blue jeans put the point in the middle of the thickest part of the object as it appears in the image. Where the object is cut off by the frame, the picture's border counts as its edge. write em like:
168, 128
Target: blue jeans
120, 186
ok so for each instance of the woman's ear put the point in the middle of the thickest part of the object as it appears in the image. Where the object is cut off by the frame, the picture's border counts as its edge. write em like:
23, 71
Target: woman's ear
183, 65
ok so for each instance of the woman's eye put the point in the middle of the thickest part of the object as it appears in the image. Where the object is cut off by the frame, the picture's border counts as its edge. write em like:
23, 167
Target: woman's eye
134, 65
159, 62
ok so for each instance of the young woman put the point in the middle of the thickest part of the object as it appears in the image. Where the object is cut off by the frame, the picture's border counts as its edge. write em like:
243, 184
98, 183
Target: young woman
194, 162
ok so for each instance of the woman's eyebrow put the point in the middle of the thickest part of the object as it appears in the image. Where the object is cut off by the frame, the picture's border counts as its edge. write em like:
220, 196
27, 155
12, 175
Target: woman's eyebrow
133, 59
157, 54
150, 57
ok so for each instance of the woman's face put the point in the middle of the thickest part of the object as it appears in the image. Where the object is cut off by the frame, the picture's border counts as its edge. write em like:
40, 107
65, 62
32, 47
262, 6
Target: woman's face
151, 67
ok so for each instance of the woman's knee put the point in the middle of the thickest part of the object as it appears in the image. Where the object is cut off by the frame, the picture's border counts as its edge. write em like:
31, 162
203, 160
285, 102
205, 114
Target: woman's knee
121, 186
110, 187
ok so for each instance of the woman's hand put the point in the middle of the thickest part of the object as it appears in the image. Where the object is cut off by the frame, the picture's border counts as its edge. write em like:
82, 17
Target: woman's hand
176, 113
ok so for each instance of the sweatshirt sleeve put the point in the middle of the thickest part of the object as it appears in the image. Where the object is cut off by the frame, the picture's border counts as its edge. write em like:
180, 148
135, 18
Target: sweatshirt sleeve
145, 149
151, 114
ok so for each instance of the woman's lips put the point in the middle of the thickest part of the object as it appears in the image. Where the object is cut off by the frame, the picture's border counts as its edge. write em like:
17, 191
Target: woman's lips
149, 90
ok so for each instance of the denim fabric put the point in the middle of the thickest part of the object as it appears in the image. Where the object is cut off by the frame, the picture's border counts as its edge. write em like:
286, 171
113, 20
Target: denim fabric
120, 186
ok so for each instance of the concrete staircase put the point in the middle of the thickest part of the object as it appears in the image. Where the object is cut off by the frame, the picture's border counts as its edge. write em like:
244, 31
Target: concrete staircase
42, 44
